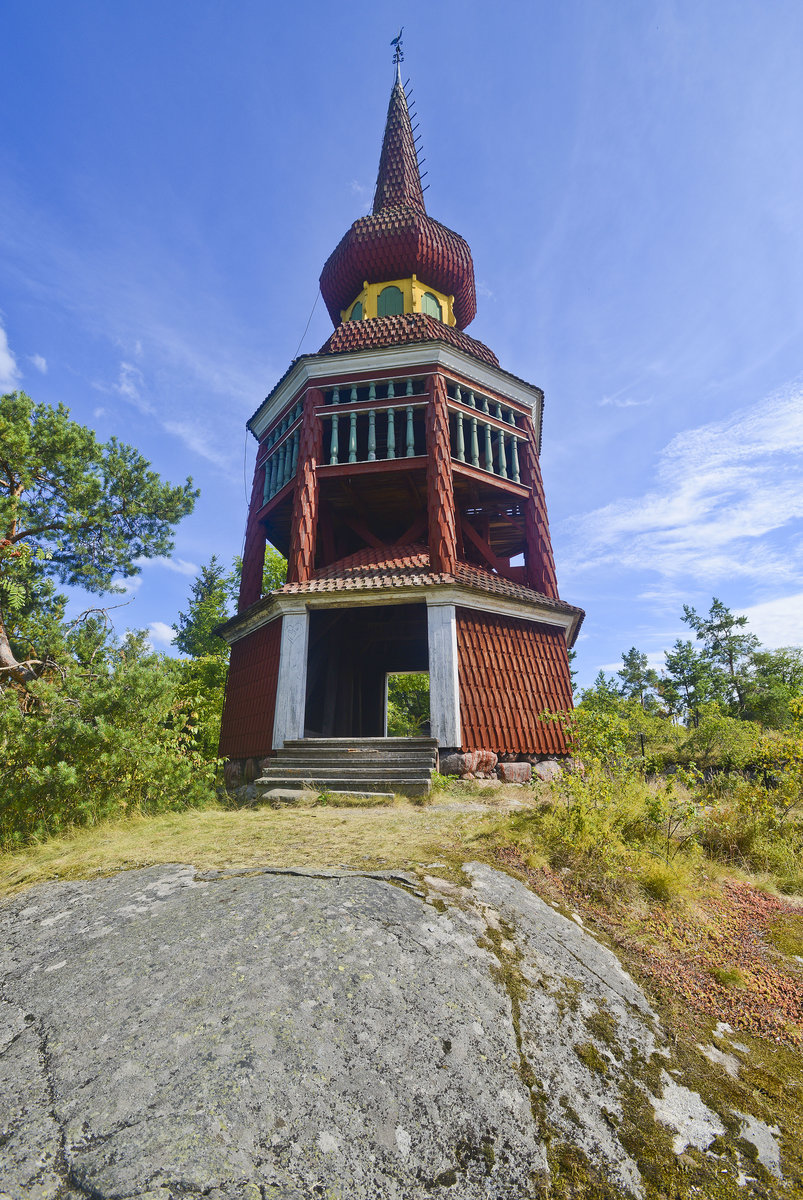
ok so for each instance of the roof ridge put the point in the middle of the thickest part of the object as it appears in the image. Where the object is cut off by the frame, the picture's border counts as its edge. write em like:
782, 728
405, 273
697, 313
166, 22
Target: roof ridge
399, 178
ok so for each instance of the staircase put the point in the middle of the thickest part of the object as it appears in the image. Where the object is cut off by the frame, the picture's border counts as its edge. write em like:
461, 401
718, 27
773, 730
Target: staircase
362, 766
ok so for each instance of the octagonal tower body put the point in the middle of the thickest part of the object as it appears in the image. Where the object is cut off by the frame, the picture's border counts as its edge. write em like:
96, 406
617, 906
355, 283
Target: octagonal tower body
398, 470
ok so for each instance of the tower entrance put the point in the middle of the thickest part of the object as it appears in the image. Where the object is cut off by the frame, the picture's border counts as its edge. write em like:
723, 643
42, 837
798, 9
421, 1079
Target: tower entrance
351, 653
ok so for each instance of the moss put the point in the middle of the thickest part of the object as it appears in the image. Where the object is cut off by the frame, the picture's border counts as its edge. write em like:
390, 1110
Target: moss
728, 977
603, 1027
786, 934
590, 1057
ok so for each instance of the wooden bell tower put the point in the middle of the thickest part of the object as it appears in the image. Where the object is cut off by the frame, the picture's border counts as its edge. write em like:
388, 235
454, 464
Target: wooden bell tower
398, 471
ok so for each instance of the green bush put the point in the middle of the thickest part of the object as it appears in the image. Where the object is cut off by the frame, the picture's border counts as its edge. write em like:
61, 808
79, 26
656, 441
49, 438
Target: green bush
99, 739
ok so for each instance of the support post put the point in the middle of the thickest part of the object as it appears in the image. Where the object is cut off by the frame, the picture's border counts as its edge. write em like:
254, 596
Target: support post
304, 525
254, 549
539, 563
444, 686
440, 482
291, 687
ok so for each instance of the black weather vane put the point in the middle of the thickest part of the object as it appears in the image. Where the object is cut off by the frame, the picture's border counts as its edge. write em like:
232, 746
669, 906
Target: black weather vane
398, 53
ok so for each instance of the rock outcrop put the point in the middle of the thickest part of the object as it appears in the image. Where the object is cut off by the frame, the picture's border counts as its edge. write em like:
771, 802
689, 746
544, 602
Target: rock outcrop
261, 1035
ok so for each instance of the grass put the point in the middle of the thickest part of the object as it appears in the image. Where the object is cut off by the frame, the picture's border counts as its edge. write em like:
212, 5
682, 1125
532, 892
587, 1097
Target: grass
394, 835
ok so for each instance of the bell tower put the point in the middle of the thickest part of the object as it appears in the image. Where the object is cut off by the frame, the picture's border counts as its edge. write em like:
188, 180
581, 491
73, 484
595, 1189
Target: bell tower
398, 470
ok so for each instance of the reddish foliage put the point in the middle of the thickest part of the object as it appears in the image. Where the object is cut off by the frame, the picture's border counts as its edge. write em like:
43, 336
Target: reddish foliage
677, 951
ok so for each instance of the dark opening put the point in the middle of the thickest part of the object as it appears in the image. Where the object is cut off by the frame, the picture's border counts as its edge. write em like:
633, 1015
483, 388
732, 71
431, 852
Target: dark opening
351, 652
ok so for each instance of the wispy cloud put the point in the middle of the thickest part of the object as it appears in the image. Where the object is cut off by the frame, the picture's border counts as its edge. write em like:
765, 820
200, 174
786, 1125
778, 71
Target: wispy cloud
620, 401
9, 371
181, 566
160, 634
777, 622
721, 492
39, 362
199, 442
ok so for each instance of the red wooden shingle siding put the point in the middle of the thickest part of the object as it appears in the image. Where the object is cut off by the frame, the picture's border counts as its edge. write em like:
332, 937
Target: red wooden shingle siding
510, 671
246, 730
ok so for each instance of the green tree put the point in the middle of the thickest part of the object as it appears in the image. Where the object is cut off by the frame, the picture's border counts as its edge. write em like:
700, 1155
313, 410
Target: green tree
72, 509
639, 681
688, 681
776, 679
726, 647
207, 607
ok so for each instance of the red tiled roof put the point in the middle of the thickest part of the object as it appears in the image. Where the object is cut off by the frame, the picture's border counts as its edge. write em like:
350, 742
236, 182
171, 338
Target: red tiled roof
398, 238
401, 331
409, 566
399, 178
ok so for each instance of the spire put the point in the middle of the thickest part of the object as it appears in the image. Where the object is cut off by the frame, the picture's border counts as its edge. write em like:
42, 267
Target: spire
399, 178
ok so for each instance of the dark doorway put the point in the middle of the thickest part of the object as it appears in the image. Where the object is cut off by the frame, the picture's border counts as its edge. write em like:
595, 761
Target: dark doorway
351, 652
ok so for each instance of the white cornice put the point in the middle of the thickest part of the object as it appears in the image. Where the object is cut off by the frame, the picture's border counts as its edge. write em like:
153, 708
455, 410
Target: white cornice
461, 597
314, 369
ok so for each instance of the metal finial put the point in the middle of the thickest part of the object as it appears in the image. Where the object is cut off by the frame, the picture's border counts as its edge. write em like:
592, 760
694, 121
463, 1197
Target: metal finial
398, 53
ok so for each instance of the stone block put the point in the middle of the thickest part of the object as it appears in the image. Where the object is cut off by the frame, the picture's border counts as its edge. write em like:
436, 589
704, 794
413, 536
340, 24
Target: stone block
548, 770
515, 772
471, 763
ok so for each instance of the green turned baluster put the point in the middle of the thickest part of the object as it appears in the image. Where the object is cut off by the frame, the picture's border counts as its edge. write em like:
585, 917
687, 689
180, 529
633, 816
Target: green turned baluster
475, 445
391, 390
410, 434
280, 466
333, 447
391, 433
511, 416
461, 445
502, 456
408, 391
458, 395
274, 467
499, 416
514, 457
472, 400
335, 397
353, 437
489, 452
485, 407
372, 391
296, 440
353, 397
266, 483
371, 435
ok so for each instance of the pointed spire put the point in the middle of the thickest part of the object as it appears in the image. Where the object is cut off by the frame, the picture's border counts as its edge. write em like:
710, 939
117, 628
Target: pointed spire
399, 178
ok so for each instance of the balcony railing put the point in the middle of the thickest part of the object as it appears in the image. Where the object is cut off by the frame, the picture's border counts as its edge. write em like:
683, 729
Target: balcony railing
282, 457
377, 422
484, 433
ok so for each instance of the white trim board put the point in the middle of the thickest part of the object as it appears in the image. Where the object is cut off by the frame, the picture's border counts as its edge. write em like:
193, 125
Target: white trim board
430, 594
314, 369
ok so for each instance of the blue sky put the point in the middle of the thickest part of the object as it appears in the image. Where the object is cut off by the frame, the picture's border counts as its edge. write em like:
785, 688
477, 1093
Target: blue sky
630, 179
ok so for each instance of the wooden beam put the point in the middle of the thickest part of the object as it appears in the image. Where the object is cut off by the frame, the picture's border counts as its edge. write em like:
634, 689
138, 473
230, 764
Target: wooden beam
480, 544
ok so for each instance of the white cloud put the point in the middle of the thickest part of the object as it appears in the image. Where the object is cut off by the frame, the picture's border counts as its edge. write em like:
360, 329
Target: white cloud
98, 412
181, 566
130, 383
619, 401
160, 634
777, 622
199, 442
9, 371
38, 361
722, 491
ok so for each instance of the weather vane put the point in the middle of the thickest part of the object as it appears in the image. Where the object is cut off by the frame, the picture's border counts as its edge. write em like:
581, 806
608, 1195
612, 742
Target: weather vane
398, 53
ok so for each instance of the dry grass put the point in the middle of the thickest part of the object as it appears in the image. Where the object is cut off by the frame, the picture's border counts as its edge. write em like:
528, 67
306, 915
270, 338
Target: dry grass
388, 836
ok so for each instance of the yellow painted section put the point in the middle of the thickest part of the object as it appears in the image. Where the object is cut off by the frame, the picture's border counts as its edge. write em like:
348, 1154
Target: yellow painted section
412, 291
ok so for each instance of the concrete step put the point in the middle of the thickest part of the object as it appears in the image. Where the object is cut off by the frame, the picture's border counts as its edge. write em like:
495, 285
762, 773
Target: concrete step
411, 786
352, 770
378, 743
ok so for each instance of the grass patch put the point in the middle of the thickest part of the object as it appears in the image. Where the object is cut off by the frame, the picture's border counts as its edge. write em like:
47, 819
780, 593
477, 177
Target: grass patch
325, 836
786, 934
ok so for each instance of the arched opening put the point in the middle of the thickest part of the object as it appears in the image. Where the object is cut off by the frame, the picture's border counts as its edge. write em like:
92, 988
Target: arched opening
390, 302
431, 306
356, 312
